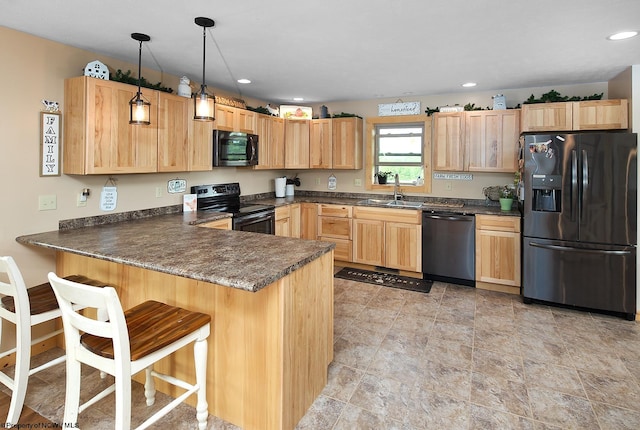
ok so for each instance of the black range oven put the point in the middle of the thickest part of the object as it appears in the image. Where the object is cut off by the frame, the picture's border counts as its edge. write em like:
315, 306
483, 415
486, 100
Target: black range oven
226, 198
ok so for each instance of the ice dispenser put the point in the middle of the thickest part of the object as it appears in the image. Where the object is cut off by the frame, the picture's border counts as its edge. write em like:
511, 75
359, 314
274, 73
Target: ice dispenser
546, 183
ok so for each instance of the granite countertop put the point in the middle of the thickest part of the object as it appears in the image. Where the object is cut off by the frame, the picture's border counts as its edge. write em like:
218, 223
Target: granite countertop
172, 244
470, 207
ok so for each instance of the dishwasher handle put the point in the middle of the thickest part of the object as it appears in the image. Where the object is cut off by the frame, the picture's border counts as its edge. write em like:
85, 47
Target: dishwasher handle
450, 217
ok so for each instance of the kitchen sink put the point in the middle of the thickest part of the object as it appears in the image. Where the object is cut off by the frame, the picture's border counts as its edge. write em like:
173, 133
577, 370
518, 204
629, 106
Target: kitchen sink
387, 202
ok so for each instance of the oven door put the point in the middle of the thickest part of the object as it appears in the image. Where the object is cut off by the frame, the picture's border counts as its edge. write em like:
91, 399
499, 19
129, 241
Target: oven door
261, 222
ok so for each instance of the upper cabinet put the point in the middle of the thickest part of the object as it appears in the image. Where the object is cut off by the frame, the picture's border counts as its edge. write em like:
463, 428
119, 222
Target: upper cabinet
481, 141
270, 131
569, 116
296, 144
492, 140
98, 136
173, 133
230, 118
336, 143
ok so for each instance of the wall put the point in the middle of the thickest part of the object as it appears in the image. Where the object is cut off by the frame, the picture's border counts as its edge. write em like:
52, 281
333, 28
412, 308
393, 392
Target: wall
462, 189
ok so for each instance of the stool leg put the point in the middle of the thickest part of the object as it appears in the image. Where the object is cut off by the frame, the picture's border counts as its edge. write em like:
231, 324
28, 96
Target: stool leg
149, 386
21, 377
123, 401
200, 356
72, 396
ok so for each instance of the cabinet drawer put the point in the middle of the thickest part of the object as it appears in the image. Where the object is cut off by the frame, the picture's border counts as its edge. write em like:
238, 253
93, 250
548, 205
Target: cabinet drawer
339, 228
340, 211
498, 223
342, 251
223, 224
408, 216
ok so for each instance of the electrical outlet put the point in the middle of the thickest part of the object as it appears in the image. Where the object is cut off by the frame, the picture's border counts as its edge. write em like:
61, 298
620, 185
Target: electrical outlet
317, 181
357, 182
81, 201
447, 186
47, 203
158, 192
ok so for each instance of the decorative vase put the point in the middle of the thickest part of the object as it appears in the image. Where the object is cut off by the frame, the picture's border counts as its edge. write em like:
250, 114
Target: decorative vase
505, 204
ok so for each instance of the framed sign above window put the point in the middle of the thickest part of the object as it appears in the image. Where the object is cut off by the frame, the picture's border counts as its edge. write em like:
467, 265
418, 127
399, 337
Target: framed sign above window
399, 108
50, 143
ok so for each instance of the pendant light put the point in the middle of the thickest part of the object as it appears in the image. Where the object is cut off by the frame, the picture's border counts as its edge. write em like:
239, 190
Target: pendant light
203, 102
139, 108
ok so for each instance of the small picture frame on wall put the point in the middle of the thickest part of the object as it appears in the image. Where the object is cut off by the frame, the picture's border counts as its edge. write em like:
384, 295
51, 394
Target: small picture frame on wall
50, 140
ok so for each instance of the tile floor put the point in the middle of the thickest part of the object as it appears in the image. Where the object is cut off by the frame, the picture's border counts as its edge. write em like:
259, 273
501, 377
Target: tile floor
456, 358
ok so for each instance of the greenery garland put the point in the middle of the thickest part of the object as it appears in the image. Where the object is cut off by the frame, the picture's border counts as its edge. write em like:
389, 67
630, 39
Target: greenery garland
128, 79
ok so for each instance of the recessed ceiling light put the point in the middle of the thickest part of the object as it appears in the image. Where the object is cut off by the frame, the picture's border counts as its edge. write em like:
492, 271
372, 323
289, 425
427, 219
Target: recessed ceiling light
298, 99
469, 84
623, 35
244, 81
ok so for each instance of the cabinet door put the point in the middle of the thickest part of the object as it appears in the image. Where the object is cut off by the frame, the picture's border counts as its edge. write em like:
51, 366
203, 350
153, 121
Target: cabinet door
173, 133
296, 144
114, 145
245, 121
225, 117
200, 143
600, 115
276, 143
294, 220
263, 130
448, 141
320, 144
309, 221
547, 117
498, 257
492, 140
347, 143
403, 246
283, 227
368, 242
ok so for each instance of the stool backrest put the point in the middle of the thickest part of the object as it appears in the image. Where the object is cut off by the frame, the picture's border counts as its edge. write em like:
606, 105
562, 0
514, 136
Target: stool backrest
16, 288
68, 294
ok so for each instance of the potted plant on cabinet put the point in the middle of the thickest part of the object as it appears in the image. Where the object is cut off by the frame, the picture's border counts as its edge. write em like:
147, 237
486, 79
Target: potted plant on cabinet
382, 177
506, 198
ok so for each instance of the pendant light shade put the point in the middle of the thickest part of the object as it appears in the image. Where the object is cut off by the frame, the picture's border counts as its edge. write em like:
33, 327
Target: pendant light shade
139, 107
203, 103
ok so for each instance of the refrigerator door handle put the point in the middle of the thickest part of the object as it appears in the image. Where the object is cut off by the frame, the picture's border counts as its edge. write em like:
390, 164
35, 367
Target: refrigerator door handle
581, 250
574, 184
585, 178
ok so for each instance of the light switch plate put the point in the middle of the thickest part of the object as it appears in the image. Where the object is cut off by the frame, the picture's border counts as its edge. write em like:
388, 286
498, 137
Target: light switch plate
47, 203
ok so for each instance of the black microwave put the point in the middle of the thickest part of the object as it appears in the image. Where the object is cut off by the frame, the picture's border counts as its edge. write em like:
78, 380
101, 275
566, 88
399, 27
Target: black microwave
233, 148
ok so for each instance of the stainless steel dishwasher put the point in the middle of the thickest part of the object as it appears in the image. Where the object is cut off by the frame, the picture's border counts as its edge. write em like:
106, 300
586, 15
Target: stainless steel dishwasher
448, 247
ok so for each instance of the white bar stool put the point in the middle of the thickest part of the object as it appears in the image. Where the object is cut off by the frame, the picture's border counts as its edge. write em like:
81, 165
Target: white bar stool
26, 308
127, 343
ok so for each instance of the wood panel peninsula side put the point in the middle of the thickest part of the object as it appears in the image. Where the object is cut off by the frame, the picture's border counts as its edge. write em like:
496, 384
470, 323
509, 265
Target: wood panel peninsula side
270, 299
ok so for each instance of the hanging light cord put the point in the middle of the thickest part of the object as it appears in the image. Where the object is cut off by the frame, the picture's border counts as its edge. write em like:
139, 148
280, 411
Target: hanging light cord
224, 60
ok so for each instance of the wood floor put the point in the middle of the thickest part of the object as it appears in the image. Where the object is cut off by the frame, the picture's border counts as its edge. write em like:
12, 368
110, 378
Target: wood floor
28, 416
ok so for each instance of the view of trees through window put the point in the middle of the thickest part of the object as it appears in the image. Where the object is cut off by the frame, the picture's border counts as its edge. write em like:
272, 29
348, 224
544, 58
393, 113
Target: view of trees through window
399, 150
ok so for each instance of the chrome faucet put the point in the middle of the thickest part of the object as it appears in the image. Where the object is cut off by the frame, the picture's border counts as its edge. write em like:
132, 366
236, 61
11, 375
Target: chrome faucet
397, 194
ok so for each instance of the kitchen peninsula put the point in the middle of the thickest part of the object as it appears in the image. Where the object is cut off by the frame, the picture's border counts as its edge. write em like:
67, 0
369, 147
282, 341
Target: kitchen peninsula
270, 299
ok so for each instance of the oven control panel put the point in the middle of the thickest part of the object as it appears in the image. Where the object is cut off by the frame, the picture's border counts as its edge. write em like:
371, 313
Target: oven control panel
219, 190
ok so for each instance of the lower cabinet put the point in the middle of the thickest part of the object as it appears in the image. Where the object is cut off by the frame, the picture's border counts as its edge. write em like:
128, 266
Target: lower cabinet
222, 224
288, 220
308, 221
388, 238
334, 225
498, 253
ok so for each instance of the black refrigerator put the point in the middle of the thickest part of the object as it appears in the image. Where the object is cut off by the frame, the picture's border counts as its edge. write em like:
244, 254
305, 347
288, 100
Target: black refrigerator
579, 240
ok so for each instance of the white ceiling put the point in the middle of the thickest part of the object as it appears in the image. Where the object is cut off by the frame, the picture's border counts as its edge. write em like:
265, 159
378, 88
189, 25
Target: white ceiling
351, 49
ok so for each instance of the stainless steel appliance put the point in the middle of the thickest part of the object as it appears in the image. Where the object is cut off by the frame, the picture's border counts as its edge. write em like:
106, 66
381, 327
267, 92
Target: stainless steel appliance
448, 247
226, 198
233, 148
579, 244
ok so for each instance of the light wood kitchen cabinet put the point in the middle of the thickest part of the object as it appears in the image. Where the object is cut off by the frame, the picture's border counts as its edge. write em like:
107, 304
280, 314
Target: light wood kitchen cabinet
498, 265
245, 121
570, 116
200, 143
492, 140
308, 221
347, 143
173, 133
388, 237
334, 225
449, 141
230, 118
270, 131
98, 136
601, 115
222, 224
296, 144
288, 220
320, 143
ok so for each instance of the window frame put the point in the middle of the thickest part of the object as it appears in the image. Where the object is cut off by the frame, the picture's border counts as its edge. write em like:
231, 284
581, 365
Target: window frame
371, 147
